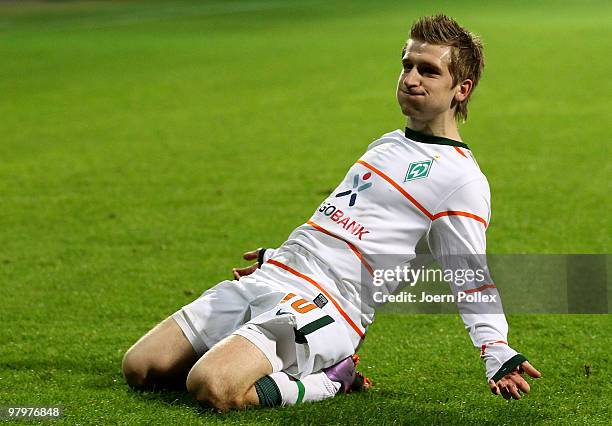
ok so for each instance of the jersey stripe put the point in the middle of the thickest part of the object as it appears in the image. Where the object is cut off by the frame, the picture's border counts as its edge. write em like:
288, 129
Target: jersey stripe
351, 245
484, 347
459, 151
481, 288
419, 205
399, 188
460, 213
317, 285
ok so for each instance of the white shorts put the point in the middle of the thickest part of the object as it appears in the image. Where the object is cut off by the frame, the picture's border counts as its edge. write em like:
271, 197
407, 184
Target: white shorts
291, 323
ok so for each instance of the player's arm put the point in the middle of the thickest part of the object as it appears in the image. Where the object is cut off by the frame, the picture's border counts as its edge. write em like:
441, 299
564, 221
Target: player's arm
458, 242
260, 255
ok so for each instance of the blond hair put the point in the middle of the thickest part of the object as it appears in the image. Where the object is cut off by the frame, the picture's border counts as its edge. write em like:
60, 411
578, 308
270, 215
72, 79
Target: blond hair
467, 56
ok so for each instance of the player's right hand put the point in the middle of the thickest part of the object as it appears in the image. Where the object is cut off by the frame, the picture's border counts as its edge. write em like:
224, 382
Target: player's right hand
513, 383
243, 272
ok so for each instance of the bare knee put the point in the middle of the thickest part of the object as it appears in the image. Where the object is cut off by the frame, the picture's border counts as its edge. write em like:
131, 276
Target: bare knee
214, 389
142, 370
135, 369
160, 358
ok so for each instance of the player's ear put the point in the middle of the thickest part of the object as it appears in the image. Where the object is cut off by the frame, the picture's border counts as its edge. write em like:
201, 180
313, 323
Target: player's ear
463, 90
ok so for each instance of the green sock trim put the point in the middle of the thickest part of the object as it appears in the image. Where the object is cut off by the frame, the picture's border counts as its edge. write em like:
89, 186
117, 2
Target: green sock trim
508, 366
301, 391
268, 392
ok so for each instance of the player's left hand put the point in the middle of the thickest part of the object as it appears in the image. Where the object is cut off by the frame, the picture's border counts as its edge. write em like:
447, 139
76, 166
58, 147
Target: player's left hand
242, 272
513, 383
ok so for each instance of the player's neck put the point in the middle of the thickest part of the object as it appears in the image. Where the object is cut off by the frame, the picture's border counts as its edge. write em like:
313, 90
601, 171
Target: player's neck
444, 126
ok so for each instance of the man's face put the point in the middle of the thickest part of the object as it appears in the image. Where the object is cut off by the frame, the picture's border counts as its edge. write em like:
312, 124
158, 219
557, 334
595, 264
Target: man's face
425, 87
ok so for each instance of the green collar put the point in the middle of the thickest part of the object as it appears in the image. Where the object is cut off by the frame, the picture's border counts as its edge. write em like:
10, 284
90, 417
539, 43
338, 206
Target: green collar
438, 140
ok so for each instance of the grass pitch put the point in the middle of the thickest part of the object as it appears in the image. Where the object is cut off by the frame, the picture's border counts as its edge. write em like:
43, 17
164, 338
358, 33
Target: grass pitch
145, 145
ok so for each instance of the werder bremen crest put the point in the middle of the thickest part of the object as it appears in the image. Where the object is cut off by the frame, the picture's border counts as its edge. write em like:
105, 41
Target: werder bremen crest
418, 170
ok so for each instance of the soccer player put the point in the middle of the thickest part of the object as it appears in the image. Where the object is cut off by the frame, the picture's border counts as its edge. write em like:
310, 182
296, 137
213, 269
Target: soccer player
285, 330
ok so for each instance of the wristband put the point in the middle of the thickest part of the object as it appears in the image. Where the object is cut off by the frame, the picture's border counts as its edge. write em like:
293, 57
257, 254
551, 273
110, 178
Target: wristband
508, 366
260, 256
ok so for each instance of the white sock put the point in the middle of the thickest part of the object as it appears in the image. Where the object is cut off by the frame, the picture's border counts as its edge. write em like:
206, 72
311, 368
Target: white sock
314, 387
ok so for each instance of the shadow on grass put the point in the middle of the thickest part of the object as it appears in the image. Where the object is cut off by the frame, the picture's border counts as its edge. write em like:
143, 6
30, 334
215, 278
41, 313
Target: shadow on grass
385, 406
165, 396
414, 403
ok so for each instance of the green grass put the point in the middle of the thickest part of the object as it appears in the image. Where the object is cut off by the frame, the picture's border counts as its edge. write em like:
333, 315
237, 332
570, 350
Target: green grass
145, 145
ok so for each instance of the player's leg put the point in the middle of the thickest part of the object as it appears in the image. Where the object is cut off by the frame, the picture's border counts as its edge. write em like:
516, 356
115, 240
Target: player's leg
341, 377
161, 358
236, 374
225, 376
164, 356
245, 369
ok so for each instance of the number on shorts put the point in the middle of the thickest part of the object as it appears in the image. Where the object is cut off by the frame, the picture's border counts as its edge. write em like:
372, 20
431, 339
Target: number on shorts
300, 305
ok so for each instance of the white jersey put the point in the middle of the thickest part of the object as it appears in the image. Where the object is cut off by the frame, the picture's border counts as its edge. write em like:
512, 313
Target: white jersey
407, 189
